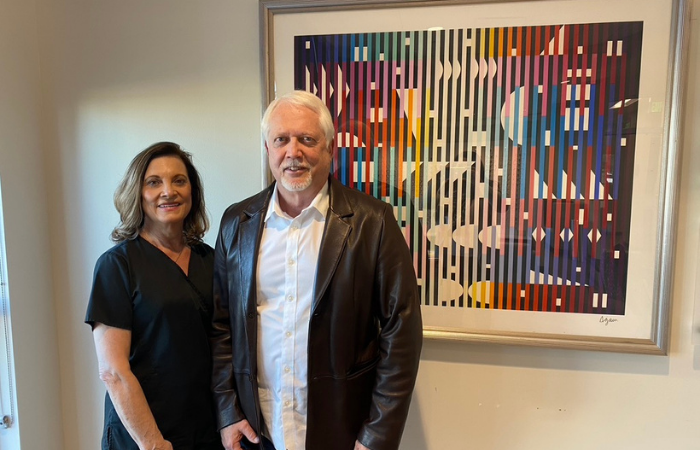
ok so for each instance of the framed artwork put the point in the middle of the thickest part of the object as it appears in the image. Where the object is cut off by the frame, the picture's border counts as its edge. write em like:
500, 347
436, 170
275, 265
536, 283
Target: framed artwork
528, 149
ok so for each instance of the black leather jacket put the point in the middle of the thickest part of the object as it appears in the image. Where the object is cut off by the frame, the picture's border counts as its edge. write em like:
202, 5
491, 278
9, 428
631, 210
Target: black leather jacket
365, 331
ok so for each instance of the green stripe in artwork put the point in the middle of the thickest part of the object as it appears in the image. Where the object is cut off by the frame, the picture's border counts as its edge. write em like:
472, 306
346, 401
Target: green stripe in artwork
376, 180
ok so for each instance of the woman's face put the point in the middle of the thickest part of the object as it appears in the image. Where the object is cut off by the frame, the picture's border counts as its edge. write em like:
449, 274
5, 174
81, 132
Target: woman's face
166, 194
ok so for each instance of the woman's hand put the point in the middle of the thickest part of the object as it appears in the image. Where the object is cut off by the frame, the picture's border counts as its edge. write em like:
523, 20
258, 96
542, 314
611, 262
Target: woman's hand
165, 445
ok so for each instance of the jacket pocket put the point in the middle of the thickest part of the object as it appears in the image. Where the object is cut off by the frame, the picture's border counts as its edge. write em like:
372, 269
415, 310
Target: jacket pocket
362, 368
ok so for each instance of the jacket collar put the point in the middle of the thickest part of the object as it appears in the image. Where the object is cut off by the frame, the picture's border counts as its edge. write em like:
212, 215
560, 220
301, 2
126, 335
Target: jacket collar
259, 202
334, 240
335, 235
339, 204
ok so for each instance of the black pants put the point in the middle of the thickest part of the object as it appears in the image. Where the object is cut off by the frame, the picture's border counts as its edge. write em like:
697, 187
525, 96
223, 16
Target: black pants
267, 445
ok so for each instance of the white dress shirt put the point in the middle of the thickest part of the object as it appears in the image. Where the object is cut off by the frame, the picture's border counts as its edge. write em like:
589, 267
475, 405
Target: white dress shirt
286, 273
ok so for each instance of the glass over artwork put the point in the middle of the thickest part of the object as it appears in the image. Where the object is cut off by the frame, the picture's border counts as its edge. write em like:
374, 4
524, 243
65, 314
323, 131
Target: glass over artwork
507, 153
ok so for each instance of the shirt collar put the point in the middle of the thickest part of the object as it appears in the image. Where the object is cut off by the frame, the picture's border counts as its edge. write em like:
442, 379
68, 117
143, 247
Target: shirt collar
319, 205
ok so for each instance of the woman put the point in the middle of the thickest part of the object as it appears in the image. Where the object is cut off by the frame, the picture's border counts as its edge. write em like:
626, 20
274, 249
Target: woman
150, 309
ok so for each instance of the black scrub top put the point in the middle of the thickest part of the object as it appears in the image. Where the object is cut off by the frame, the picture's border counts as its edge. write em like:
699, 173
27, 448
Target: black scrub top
137, 287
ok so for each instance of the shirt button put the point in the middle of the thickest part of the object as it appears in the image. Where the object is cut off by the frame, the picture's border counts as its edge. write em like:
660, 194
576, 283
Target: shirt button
286, 369
291, 262
288, 334
290, 298
286, 403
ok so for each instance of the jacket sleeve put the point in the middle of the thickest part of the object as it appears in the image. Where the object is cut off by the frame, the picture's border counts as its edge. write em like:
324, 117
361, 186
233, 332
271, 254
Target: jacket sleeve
223, 386
397, 304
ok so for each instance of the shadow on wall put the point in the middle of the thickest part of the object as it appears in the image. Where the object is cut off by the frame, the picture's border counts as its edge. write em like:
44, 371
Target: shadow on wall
696, 356
414, 435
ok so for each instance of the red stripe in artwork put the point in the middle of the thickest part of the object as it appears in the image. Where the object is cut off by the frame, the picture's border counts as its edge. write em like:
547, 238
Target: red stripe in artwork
590, 183
369, 143
533, 215
602, 105
594, 56
360, 134
554, 227
572, 236
584, 77
566, 84
514, 207
375, 142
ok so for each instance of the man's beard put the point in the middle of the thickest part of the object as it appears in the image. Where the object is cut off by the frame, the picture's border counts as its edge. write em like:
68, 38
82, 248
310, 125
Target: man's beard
296, 184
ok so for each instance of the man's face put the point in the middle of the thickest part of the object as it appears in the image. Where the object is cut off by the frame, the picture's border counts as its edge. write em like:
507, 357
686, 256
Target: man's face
299, 156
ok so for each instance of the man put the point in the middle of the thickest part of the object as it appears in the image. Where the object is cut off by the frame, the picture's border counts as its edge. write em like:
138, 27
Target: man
317, 328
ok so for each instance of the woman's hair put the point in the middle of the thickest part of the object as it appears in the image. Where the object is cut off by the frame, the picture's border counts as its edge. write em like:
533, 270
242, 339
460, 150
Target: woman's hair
306, 100
127, 197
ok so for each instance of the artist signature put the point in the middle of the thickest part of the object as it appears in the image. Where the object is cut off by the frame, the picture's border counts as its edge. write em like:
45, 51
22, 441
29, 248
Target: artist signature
607, 320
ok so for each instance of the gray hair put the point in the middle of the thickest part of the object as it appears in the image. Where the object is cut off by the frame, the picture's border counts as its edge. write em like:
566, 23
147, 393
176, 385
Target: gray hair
306, 100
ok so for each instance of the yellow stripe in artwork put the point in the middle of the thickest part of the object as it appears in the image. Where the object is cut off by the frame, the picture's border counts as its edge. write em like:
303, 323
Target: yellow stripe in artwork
483, 293
419, 148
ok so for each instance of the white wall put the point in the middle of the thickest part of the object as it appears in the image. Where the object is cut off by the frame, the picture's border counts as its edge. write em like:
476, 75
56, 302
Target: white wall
121, 75
24, 202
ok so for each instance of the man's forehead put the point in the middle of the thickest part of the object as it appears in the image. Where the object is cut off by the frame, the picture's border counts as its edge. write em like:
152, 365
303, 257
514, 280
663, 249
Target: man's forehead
293, 109
294, 117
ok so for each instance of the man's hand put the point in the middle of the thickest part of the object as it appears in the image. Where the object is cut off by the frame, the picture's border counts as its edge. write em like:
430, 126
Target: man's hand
359, 446
232, 435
